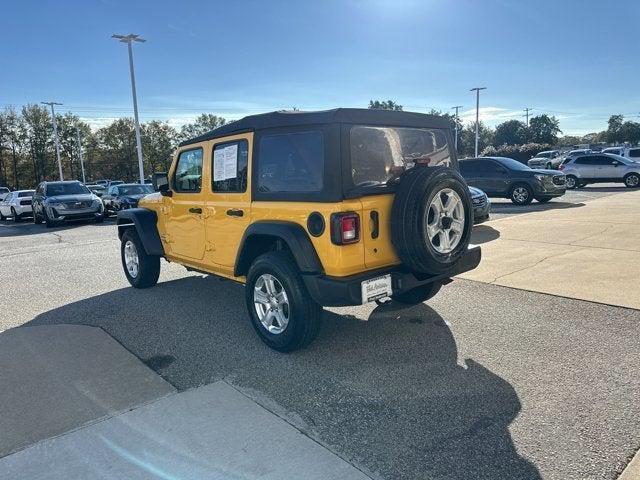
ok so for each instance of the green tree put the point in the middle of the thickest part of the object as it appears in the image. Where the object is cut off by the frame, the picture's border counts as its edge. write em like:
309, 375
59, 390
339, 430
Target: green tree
511, 132
544, 129
468, 137
614, 129
158, 143
118, 157
203, 124
630, 132
37, 130
384, 105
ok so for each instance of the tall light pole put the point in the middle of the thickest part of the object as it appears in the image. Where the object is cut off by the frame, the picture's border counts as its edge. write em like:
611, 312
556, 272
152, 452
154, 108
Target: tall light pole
477, 90
129, 39
84, 180
456, 108
526, 113
55, 134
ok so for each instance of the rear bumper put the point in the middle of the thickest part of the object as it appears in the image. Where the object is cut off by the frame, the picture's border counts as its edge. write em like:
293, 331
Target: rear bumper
345, 291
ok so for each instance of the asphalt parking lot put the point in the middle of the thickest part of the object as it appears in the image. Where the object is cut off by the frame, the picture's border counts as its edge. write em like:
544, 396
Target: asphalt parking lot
484, 382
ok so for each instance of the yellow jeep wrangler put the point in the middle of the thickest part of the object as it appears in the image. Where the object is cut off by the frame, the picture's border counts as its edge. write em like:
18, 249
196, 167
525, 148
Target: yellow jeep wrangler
309, 209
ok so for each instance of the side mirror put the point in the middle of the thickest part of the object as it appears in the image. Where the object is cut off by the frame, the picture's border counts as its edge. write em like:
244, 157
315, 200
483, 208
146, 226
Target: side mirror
161, 184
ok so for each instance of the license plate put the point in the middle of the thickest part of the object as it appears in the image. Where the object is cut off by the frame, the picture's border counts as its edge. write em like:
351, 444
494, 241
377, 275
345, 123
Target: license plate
376, 288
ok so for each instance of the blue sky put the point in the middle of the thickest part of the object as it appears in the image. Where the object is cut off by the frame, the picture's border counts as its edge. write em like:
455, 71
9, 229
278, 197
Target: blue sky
576, 60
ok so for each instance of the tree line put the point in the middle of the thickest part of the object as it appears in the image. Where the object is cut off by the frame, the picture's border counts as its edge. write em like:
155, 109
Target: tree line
27, 147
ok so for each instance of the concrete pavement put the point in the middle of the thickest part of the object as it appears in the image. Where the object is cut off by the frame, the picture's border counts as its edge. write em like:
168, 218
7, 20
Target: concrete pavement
590, 252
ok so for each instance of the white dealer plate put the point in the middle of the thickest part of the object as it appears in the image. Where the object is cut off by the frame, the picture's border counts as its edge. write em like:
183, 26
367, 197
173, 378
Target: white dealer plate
376, 288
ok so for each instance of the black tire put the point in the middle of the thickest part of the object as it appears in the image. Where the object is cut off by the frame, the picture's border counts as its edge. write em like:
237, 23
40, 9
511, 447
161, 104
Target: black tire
411, 210
49, 223
521, 194
100, 219
572, 182
543, 200
632, 180
304, 314
14, 214
148, 265
2, 217
418, 295
36, 218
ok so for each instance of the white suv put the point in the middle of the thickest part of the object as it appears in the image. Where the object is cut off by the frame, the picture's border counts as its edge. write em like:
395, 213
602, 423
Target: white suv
632, 153
16, 205
601, 167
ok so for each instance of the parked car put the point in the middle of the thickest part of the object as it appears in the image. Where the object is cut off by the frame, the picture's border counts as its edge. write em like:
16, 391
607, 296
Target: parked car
3, 192
102, 182
601, 167
507, 178
98, 190
56, 202
343, 207
16, 204
123, 196
632, 153
111, 183
481, 205
548, 159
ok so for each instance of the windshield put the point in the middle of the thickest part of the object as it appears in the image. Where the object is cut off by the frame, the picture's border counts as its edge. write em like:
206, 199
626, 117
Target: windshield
512, 164
134, 190
379, 154
55, 189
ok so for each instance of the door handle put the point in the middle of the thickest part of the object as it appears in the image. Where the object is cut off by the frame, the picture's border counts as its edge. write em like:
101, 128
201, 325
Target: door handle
195, 210
235, 212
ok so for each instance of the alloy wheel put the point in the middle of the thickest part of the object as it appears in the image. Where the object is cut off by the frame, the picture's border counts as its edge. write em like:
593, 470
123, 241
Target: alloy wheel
271, 304
632, 180
445, 220
131, 260
520, 194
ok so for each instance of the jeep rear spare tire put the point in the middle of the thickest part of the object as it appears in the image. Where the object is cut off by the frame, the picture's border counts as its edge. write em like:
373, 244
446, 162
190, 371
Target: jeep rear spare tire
431, 219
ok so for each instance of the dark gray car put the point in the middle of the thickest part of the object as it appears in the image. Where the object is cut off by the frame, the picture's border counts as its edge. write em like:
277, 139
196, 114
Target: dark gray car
508, 178
56, 202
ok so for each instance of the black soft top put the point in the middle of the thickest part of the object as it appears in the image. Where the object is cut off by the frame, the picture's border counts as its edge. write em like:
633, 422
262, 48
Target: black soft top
338, 115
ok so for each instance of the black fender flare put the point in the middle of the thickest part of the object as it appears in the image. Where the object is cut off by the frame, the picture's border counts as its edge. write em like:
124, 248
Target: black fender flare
146, 224
292, 234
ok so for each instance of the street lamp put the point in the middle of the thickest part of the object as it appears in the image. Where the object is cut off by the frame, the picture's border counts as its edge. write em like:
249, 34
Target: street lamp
456, 108
477, 90
128, 39
55, 135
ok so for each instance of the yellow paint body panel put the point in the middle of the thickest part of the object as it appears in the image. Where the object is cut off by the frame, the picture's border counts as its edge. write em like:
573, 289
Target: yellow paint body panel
210, 241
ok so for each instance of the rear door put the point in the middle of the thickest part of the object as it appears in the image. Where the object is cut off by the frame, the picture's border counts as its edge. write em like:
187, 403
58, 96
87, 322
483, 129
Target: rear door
585, 167
184, 215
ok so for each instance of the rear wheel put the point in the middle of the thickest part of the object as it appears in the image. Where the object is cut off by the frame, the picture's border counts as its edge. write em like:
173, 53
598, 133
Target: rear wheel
571, 182
14, 214
282, 312
632, 180
417, 295
521, 194
141, 270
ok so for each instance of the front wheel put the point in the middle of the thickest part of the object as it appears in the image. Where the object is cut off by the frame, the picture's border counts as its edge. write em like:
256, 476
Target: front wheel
282, 312
632, 180
141, 270
521, 194
36, 218
50, 223
571, 182
14, 214
417, 295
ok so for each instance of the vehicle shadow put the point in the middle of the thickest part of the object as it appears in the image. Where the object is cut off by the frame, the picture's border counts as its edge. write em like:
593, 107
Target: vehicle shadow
27, 227
389, 393
509, 207
484, 234
591, 188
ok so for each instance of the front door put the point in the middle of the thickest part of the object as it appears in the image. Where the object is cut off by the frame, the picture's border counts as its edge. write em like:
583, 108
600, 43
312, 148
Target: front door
184, 210
228, 206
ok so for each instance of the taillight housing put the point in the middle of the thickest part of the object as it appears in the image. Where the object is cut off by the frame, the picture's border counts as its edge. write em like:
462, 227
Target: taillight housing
345, 228
561, 166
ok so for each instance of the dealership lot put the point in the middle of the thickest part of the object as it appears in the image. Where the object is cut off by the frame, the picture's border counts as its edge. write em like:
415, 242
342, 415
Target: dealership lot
483, 382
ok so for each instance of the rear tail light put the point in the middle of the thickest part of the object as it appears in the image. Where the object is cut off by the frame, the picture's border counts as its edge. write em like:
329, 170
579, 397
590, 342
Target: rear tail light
345, 228
561, 166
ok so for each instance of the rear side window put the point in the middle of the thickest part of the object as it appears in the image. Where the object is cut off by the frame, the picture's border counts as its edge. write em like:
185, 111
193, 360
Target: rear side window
291, 162
188, 174
583, 161
230, 166
634, 153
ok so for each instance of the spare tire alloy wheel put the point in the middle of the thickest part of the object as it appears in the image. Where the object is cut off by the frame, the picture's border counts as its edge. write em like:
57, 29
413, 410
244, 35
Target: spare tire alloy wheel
445, 220
271, 304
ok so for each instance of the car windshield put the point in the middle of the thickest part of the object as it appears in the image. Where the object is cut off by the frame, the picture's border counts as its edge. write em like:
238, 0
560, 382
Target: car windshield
135, 189
55, 189
380, 154
512, 164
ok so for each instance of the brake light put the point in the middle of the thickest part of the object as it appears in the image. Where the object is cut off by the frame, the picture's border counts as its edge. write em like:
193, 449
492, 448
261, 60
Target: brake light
561, 166
345, 228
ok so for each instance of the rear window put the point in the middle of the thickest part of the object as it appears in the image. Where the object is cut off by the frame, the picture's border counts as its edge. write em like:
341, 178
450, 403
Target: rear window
291, 162
634, 153
379, 154
25, 194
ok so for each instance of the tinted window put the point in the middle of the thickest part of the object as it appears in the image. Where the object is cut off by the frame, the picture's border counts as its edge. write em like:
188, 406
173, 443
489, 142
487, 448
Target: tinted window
188, 174
512, 164
634, 153
379, 154
134, 190
468, 167
25, 194
601, 160
583, 161
229, 169
291, 162
55, 189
